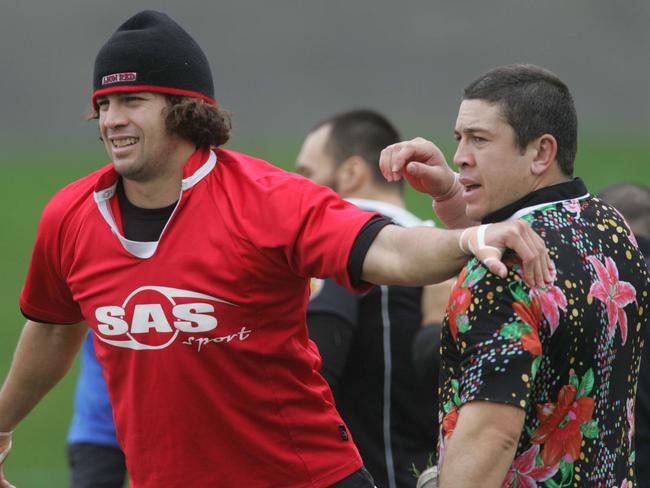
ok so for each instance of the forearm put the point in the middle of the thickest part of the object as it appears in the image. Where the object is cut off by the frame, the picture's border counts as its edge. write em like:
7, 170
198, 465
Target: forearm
482, 446
43, 355
413, 257
476, 462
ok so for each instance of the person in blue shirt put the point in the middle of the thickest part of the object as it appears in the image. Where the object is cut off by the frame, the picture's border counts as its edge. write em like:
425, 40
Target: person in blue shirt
95, 457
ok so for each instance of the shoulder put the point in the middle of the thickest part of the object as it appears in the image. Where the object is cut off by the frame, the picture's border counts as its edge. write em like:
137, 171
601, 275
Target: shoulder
264, 175
72, 199
256, 179
252, 168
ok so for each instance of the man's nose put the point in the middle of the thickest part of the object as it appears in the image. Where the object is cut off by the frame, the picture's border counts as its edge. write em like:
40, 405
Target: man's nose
462, 157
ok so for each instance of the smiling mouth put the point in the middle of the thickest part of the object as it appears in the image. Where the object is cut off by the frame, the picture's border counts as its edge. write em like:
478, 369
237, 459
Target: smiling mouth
469, 188
123, 141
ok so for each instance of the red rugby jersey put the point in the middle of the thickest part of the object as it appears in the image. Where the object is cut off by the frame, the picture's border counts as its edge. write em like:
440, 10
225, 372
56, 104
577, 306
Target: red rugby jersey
201, 334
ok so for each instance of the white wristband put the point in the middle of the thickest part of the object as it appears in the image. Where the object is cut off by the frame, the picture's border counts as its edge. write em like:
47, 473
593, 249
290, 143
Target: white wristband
472, 241
462, 239
6, 434
449, 193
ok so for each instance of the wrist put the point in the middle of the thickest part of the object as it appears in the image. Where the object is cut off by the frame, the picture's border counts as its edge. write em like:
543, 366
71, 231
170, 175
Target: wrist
6, 434
451, 192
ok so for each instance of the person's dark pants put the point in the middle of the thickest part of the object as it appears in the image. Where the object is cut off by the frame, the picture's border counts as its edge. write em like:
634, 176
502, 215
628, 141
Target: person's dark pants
95, 466
358, 479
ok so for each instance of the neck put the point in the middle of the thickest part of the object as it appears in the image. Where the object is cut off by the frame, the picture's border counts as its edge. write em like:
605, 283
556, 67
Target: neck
550, 178
162, 189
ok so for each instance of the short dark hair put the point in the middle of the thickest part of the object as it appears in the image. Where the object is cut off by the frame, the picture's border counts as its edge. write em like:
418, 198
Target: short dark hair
533, 101
363, 133
633, 201
194, 119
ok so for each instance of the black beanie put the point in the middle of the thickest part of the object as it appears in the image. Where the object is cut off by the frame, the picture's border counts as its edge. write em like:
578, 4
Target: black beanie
151, 52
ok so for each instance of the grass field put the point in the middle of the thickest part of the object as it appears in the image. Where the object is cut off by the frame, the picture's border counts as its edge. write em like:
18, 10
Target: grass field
38, 459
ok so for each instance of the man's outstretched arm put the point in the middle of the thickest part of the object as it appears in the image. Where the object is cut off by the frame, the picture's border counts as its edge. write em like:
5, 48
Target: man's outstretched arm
43, 355
422, 255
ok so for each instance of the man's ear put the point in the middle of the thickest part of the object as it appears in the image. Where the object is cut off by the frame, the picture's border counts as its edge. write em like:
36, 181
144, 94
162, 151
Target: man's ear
351, 175
545, 152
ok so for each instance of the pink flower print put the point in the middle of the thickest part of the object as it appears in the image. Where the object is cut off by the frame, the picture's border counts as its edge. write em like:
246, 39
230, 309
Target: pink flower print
630, 420
523, 472
615, 294
551, 299
572, 206
625, 483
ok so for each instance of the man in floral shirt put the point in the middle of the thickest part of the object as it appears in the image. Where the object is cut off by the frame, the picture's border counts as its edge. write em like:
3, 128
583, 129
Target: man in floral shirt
537, 385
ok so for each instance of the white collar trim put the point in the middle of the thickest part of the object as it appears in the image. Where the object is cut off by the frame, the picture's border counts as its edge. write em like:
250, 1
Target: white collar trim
525, 211
145, 250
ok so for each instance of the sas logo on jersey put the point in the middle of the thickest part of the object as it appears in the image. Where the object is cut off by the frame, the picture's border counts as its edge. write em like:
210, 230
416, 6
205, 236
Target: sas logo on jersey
315, 287
151, 317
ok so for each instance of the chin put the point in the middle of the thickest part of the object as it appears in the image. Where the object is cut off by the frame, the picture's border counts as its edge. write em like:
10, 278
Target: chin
475, 213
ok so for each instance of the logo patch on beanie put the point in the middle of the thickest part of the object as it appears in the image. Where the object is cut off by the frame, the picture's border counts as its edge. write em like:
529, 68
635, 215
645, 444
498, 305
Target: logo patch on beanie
119, 77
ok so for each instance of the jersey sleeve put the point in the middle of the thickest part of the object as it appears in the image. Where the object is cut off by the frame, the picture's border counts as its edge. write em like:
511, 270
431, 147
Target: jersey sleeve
45, 296
310, 225
492, 327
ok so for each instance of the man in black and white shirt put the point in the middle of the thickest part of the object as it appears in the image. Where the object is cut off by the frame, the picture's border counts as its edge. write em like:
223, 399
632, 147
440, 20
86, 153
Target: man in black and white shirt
366, 340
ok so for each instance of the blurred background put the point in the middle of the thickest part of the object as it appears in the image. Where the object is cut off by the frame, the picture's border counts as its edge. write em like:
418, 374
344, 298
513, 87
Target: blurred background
279, 67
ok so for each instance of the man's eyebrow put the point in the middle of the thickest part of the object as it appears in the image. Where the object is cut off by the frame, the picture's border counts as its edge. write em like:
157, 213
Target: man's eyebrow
472, 130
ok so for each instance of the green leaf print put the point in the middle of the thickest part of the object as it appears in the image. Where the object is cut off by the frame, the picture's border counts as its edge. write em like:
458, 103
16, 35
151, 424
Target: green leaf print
566, 469
517, 291
462, 321
515, 330
457, 400
590, 430
573, 380
474, 275
447, 406
510, 331
535, 367
586, 385
551, 484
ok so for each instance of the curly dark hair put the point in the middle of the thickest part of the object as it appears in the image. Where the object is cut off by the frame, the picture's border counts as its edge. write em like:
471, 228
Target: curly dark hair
194, 119
198, 121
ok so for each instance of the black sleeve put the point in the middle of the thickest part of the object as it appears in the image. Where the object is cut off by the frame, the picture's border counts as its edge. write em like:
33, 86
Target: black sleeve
332, 321
361, 245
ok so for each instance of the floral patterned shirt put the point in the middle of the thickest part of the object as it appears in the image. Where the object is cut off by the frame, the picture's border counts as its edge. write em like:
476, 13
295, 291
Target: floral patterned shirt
568, 354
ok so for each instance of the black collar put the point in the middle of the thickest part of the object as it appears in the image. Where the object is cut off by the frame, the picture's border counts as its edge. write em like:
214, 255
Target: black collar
555, 193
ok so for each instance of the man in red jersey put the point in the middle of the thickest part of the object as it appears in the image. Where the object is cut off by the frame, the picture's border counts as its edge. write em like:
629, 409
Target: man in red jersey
191, 264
